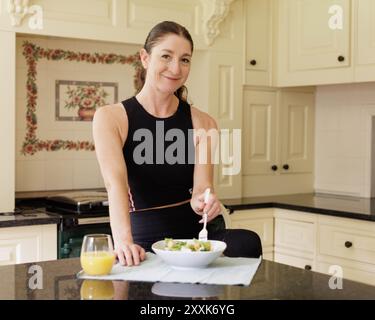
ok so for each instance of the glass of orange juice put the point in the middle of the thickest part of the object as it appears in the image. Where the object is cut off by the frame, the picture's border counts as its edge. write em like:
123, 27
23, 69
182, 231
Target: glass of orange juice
97, 255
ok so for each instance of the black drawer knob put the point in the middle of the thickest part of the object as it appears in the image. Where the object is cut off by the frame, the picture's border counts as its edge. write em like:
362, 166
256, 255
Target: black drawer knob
308, 267
286, 166
341, 58
253, 62
274, 168
348, 244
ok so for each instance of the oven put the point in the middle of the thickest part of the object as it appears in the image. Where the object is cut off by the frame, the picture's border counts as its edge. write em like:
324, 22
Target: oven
71, 231
79, 213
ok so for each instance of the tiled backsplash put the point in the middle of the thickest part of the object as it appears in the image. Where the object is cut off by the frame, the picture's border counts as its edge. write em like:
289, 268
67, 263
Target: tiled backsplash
343, 138
63, 169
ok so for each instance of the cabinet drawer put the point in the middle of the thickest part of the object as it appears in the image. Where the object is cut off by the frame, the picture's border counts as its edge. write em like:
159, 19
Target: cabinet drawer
295, 235
347, 243
355, 272
293, 261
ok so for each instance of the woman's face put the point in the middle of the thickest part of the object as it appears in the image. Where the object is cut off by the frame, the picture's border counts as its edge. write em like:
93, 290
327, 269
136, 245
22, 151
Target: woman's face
168, 65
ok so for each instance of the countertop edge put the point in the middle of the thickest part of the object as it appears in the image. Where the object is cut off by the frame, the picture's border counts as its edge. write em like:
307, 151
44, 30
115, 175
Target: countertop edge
328, 212
28, 222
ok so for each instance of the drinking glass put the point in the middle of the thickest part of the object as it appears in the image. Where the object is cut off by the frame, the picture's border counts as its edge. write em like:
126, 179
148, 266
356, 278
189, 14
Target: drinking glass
97, 255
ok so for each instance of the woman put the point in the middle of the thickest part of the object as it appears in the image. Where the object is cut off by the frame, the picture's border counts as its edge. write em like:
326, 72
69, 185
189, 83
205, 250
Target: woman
151, 195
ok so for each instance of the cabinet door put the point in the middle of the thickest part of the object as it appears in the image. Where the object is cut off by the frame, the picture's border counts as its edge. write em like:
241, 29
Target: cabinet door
365, 36
28, 244
312, 43
297, 135
259, 131
258, 42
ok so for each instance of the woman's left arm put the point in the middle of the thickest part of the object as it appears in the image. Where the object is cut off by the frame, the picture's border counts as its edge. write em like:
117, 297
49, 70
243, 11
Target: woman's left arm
206, 137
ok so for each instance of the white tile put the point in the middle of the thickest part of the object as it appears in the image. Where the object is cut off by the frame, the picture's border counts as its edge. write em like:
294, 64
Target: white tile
326, 144
30, 175
59, 175
351, 144
349, 117
326, 117
85, 174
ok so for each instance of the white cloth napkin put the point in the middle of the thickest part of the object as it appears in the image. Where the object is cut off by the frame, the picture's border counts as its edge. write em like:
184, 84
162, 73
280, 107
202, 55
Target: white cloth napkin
223, 271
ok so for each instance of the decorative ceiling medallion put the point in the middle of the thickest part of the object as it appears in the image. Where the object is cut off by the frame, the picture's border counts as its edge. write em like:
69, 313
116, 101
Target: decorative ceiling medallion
19, 9
215, 11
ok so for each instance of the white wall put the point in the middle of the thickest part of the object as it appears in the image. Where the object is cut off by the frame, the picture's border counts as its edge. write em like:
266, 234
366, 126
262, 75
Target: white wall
343, 138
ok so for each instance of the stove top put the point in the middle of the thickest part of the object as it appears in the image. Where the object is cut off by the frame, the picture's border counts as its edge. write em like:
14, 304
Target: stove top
80, 202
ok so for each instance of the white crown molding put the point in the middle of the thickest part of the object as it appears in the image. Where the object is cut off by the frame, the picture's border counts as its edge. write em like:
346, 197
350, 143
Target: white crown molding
19, 9
215, 11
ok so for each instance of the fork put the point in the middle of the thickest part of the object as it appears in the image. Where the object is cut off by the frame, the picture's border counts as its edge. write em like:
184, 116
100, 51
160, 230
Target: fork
203, 234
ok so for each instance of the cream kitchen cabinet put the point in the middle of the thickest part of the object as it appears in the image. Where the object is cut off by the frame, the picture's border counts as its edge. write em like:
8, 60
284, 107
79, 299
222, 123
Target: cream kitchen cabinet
309, 50
258, 42
295, 238
348, 244
28, 244
322, 243
364, 12
259, 221
277, 138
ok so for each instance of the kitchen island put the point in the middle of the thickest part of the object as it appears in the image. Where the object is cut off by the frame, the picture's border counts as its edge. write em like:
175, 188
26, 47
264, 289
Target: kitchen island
56, 280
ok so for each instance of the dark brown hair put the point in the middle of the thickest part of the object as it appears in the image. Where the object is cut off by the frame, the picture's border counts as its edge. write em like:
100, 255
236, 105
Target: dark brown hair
155, 35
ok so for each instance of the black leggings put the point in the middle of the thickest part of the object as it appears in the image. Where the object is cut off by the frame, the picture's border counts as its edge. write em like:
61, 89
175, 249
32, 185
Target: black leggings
240, 242
181, 222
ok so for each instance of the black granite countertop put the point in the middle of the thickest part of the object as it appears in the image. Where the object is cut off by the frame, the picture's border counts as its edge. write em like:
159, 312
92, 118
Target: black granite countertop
333, 205
272, 281
33, 212
27, 217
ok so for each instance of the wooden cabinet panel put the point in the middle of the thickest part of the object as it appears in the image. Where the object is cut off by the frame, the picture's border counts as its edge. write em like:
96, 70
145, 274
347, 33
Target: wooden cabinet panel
259, 129
278, 131
258, 42
366, 32
295, 235
347, 243
364, 40
312, 44
261, 222
297, 132
310, 51
28, 244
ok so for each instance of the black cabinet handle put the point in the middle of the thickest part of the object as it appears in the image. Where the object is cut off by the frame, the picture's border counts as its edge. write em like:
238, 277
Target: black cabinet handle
274, 168
253, 62
341, 58
286, 166
348, 244
308, 267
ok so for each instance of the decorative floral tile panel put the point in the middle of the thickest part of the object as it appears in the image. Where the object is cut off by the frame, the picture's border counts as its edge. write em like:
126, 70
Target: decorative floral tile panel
71, 95
78, 100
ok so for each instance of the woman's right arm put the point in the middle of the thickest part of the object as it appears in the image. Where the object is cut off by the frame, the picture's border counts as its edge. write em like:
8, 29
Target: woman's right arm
109, 137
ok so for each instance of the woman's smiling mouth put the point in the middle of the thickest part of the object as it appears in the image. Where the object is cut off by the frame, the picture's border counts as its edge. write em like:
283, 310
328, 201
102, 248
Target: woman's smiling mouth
171, 78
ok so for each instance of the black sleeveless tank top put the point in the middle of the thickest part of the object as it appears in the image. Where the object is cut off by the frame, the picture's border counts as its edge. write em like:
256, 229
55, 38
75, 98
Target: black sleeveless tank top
159, 155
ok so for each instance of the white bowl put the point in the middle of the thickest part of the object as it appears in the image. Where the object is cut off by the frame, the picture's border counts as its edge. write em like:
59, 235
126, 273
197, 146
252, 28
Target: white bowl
189, 259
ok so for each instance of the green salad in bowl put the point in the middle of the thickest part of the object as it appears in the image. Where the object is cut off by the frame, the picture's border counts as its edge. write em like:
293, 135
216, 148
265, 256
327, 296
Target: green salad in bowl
193, 245
188, 253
